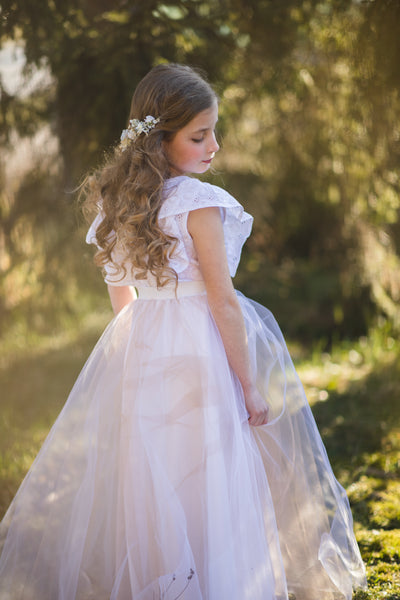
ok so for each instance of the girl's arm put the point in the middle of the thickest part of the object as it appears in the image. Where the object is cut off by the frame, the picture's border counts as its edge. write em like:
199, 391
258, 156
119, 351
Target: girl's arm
205, 227
120, 296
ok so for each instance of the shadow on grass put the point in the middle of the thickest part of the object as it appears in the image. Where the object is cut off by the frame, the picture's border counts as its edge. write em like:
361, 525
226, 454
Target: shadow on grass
364, 419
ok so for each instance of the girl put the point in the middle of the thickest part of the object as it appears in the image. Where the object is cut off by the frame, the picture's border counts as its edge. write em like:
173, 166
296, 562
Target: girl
186, 462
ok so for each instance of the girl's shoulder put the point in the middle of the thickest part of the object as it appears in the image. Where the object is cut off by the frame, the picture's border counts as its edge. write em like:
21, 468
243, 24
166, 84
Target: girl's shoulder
183, 194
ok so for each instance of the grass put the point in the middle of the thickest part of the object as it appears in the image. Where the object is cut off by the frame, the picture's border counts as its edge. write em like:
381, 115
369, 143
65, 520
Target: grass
36, 375
354, 391
355, 395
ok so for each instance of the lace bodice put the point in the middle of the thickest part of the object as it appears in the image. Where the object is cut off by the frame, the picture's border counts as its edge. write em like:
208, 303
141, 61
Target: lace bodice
182, 195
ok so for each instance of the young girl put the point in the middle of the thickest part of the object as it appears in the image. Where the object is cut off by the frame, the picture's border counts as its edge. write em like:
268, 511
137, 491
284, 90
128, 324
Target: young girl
186, 462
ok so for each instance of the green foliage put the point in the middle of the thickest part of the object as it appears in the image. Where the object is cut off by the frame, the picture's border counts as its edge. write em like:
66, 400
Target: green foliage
42, 277
327, 147
97, 53
309, 120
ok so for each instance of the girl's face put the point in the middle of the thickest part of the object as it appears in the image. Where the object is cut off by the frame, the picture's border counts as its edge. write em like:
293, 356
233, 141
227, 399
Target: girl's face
194, 146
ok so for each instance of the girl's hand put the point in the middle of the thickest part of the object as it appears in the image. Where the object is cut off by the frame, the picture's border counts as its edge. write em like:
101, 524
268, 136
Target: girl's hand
256, 407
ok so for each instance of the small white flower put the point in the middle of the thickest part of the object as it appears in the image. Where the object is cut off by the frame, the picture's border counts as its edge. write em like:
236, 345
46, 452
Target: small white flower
136, 128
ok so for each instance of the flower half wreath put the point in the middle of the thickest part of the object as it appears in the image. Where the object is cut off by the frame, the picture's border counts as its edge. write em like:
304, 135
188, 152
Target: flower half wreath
135, 128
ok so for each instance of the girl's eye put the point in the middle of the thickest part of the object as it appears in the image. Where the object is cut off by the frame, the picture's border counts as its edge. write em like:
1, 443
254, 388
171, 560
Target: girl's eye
197, 141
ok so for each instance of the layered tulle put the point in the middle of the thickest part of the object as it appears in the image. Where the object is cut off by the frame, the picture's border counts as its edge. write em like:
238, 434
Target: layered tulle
152, 485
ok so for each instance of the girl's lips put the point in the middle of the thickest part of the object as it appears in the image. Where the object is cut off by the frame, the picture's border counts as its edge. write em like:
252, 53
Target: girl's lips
207, 161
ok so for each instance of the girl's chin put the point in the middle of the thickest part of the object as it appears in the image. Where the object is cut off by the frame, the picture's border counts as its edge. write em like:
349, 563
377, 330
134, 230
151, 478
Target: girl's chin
201, 168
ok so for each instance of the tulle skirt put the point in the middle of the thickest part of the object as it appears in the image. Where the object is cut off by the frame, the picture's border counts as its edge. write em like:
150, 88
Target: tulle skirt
152, 485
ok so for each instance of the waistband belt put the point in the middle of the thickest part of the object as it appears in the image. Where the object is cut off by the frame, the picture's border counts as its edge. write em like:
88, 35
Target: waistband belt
184, 288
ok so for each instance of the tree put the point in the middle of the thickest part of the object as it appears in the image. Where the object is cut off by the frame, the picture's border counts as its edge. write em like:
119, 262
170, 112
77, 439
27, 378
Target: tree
309, 116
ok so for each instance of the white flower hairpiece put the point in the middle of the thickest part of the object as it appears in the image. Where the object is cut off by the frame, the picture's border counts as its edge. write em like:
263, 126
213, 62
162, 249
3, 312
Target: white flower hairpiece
135, 128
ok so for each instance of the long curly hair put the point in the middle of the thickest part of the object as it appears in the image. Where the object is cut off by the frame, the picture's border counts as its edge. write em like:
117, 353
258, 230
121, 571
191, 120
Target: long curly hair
128, 188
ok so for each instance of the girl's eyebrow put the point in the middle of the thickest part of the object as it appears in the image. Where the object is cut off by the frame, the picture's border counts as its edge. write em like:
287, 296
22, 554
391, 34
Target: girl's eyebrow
202, 130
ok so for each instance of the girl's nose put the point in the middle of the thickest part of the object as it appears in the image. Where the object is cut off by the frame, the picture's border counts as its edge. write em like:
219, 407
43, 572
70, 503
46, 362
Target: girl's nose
214, 147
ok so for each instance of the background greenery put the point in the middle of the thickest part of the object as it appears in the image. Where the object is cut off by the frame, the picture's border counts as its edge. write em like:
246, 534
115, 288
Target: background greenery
310, 134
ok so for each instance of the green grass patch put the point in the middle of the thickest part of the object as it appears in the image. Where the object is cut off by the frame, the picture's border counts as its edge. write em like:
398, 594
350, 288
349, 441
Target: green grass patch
354, 391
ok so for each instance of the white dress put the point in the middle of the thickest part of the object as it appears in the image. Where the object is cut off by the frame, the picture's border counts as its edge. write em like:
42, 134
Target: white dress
152, 485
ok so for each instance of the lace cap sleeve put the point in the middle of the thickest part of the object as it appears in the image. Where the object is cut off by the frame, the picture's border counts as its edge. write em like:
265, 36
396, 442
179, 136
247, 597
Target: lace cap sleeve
91, 234
184, 194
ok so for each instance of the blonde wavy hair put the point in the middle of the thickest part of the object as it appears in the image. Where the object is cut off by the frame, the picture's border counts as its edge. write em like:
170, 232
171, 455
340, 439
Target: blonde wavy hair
129, 186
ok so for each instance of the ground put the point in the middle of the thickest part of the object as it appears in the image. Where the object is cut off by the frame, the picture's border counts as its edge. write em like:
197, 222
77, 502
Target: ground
354, 391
